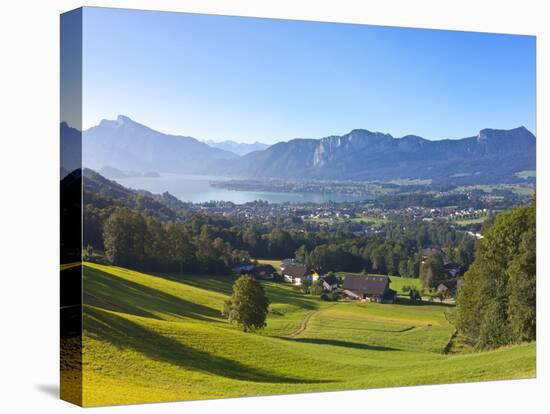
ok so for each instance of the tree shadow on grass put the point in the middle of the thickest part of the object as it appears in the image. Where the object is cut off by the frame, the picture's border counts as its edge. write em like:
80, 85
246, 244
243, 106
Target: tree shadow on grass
406, 301
345, 344
114, 293
220, 284
407, 329
124, 333
224, 284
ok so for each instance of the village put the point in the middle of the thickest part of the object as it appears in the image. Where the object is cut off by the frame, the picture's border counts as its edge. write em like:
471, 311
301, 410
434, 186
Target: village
337, 286
365, 217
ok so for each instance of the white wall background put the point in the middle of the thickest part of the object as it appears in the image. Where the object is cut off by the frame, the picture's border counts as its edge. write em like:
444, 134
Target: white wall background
29, 116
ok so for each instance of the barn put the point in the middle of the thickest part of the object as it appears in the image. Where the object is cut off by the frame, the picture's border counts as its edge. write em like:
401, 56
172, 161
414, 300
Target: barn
371, 288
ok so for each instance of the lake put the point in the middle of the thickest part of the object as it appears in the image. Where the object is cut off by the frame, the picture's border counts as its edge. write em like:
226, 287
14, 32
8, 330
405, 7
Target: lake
198, 189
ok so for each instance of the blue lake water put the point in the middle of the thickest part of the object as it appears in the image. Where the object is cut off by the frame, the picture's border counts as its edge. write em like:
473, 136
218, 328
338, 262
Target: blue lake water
198, 189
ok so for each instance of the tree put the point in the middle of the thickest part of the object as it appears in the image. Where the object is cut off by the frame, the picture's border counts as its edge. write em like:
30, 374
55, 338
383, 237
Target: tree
432, 270
413, 267
124, 237
305, 285
522, 289
248, 304
414, 294
316, 288
496, 304
403, 269
251, 240
301, 254
181, 250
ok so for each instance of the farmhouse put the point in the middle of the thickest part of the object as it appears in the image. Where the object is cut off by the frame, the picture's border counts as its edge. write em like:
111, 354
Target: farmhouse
263, 272
330, 282
371, 288
296, 273
245, 267
429, 251
452, 269
287, 262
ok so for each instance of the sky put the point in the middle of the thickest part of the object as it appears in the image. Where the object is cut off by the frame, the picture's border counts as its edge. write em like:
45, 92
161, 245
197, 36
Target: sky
269, 80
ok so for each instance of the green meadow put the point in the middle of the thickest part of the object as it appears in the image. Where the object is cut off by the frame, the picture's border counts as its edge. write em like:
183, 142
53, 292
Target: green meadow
161, 338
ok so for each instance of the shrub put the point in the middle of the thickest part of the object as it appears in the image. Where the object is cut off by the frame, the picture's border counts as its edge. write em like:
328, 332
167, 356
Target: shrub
316, 288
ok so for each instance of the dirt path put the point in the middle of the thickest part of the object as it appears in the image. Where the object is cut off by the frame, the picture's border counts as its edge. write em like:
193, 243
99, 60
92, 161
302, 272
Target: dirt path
303, 325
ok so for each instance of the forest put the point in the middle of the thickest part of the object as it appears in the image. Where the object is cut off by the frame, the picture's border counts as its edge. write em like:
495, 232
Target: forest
209, 243
496, 305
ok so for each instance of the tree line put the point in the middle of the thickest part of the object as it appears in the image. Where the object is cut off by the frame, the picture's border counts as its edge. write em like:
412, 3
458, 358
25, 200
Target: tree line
211, 243
496, 304
398, 251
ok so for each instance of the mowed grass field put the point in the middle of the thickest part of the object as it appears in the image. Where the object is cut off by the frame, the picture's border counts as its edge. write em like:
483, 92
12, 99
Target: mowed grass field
161, 338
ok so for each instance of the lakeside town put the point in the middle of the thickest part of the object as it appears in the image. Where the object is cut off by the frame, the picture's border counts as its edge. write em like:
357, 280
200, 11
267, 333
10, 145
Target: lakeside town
463, 208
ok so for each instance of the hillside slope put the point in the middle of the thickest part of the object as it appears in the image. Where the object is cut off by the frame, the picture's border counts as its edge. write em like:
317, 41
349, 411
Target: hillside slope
160, 337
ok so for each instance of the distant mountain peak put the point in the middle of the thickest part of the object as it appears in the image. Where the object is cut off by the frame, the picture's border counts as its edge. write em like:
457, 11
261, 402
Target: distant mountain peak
505, 136
121, 119
239, 148
361, 131
130, 146
493, 156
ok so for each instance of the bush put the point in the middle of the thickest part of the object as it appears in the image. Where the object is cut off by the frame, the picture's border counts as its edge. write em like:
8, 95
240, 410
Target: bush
316, 288
330, 297
414, 294
306, 284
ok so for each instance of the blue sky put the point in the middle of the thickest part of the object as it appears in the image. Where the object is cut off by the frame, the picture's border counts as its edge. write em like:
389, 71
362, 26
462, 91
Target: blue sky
216, 77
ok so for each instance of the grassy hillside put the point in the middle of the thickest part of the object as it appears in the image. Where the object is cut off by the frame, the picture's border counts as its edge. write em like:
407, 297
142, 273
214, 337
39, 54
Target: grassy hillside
397, 283
160, 337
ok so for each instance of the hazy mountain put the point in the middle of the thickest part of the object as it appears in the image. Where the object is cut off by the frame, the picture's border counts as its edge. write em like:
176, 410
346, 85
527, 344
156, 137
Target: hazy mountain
100, 191
491, 156
129, 146
239, 148
114, 173
70, 149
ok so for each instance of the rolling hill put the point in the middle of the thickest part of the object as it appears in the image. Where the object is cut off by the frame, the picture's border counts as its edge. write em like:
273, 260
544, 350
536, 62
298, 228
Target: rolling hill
161, 338
99, 192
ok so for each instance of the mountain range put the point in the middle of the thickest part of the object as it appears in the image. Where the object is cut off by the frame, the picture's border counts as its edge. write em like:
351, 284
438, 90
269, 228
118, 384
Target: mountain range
491, 156
239, 148
129, 146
